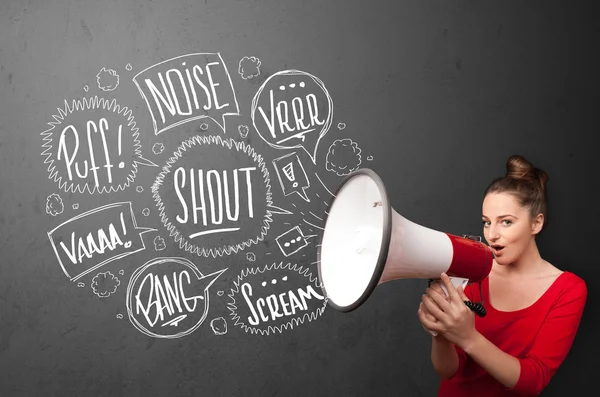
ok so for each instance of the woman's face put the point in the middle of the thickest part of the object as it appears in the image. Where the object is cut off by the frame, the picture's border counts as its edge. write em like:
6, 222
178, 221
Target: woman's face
507, 227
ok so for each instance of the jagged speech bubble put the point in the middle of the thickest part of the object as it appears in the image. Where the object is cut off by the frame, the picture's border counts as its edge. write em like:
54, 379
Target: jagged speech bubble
81, 246
186, 88
273, 298
92, 146
169, 297
214, 196
292, 109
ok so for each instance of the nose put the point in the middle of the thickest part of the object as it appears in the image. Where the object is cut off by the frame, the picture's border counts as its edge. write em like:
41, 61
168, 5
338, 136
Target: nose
493, 233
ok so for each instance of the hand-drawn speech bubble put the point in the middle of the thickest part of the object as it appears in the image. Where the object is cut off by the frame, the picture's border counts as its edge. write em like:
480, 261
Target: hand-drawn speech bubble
96, 237
292, 176
292, 109
275, 298
169, 297
214, 196
186, 88
92, 145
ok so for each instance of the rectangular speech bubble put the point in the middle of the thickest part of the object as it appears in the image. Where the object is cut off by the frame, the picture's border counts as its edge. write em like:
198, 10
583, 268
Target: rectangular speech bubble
187, 88
82, 246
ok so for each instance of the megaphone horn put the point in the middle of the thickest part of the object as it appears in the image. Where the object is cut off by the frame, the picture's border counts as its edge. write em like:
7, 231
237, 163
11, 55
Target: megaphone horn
366, 243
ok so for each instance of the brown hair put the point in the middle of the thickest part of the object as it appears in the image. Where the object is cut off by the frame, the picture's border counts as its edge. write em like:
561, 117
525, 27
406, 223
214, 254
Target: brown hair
524, 182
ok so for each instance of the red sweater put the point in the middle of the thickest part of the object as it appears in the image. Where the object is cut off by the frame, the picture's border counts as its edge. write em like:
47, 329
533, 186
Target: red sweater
540, 336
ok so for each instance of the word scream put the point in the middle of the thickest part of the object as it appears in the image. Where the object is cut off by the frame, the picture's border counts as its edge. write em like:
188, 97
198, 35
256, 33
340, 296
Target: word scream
283, 304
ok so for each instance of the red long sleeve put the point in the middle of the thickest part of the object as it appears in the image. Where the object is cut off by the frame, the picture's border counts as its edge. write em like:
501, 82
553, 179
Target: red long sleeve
540, 336
553, 341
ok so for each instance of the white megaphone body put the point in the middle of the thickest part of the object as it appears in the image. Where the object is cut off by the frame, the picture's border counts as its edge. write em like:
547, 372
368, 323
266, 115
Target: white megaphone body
366, 243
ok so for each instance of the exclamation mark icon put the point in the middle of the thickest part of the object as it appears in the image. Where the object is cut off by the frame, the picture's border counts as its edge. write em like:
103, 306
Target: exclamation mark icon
121, 164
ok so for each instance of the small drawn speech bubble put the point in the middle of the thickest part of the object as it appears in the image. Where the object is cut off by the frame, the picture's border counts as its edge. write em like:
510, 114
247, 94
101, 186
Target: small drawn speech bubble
292, 109
94, 238
274, 298
169, 297
292, 176
291, 241
186, 88
214, 196
92, 145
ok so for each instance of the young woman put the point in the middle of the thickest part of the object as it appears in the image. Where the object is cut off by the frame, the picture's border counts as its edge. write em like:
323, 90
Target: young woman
533, 307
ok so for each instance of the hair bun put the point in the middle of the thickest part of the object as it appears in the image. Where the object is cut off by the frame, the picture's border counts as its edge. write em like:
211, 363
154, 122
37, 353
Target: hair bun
519, 168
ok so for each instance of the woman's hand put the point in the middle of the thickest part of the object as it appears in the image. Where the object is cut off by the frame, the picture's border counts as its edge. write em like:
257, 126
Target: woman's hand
436, 286
449, 316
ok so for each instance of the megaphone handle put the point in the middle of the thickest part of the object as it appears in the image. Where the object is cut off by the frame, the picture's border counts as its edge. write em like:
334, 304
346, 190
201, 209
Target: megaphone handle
476, 307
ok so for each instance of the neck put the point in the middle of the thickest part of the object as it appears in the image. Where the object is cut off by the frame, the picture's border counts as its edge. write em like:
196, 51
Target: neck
529, 263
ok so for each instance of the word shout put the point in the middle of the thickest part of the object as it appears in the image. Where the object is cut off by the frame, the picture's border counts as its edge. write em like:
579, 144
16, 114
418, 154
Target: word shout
213, 196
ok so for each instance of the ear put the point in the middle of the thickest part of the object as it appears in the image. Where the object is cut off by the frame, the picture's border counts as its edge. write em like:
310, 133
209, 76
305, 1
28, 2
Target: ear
537, 223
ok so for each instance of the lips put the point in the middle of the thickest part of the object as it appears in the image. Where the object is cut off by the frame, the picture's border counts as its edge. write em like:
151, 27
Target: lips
497, 248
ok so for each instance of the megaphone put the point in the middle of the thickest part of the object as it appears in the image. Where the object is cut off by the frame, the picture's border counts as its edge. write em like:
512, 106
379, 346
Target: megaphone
366, 243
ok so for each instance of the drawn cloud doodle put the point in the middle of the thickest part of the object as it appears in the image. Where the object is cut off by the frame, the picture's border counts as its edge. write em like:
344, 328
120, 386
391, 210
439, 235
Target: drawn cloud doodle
107, 79
219, 326
54, 205
249, 67
105, 284
343, 157
261, 307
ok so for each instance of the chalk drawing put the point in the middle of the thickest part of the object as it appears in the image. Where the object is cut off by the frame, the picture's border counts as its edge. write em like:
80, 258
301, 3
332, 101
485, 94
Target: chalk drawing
54, 205
158, 148
343, 157
93, 146
187, 88
206, 205
105, 284
159, 243
219, 326
291, 174
82, 247
243, 130
291, 241
285, 111
169, 297
107, 79
249, 67
275, 307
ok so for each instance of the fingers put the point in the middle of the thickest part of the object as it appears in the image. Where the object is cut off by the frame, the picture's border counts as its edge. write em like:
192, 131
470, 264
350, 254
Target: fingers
461, 292
434, 303
425, 311
453, 294
427, 323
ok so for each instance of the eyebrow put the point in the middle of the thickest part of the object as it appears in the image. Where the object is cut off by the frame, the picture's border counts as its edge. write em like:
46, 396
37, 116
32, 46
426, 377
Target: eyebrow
501, 216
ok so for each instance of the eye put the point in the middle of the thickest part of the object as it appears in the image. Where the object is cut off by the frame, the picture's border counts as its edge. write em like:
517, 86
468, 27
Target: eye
507, 222
485, 223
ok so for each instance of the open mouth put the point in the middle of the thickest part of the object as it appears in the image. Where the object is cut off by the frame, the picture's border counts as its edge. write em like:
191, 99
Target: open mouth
497, 248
